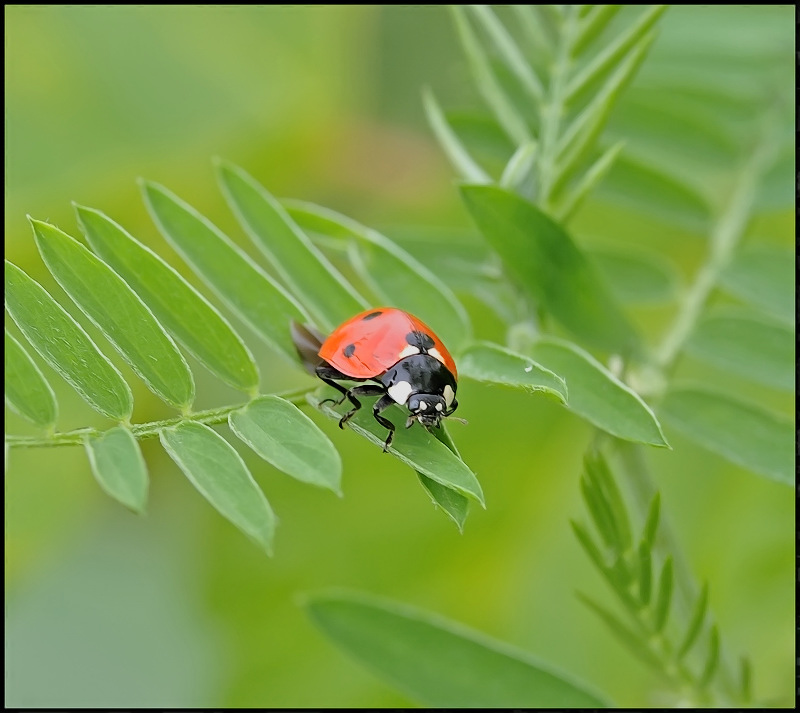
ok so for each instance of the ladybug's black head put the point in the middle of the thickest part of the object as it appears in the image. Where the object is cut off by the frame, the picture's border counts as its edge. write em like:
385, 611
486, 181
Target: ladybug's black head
428, 409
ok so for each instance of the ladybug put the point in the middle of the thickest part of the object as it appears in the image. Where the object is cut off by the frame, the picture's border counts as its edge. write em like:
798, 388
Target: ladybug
399, 352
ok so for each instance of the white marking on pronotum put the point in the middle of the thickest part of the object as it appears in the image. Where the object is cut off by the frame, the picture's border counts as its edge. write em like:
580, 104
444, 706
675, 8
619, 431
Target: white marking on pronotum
410, 350
439, 406
448, 394
423, 405
436, 355
400, 391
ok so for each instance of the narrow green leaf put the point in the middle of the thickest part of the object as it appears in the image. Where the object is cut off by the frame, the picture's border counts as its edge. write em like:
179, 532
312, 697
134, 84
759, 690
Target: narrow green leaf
590, 77
651, 523
494, 364
764, 276
455, 150
663, 597
762, 352
539, 35
27, 391
637, 277
415, 447
119, 467
484, 138
745, 676
623, 633
288, 439
454, 504
587, 183
508, 51
645, 573
600, 512
695, 623
438, 662
519, 167
65, 346
391, 272
544, 260
106, 299
643, 187
244, 287
578, 140
183, 311
595, 21
214, 467
598, 396
490, 89
591, 549
307, 272
738, 431
712, 660
597, 469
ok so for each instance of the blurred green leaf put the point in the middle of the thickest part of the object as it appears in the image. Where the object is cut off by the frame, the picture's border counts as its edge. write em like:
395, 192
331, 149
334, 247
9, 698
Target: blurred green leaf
27, 391
483, 138
645, 573
645, 188
777, 189
288, 439
391, 272
244, 287
598, 396
181, 309
740, 432
307, 272
664, 596
119, 467
542, 258
438, 662
594, 21
651, 523
215, 468
587, 183
519, 167
637, 277
415, 446
596, 468
600, 512
454, 504
494, 364
65, 346
487, 84
765, 277
695, 622
712, 660
105, 298
756, 350
458, 154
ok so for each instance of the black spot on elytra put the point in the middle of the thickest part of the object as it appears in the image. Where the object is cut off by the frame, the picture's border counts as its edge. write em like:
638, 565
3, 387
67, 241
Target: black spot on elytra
348, 350
371, 315
420, 340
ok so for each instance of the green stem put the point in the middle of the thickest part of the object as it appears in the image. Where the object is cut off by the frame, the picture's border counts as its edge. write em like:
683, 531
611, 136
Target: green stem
143, 430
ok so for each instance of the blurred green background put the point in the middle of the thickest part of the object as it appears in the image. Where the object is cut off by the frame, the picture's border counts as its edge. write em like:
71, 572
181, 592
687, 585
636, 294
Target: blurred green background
107, 609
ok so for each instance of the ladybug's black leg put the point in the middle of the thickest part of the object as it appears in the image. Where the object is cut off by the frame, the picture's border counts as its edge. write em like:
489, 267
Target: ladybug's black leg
380, 405
327, 373
364, 390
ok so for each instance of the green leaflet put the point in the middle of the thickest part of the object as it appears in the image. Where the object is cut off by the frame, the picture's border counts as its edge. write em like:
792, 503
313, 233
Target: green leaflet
598, 396
244, 287
438, 662
65, 346
105, 298
636, 277
454, 504
740, 432
288, 439
544, 260
183, 311
215, 468
119, 467
494, 364
317, 283
27, 391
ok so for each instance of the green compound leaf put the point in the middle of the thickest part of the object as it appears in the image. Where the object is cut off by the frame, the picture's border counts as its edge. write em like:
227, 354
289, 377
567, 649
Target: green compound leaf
244, 287
762, 352
119, 467
317, 283
65, 346
413, 446
438, 662
738, 431
105, 298
183, 311
543, 259
598, 396
288, 439
27, 391
215, 468
494, 364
